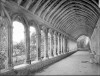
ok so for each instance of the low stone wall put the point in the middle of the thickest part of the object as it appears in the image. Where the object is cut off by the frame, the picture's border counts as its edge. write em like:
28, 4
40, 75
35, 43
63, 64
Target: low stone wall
32, 68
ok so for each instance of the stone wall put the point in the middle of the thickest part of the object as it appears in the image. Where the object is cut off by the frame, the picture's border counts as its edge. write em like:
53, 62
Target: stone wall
95, 42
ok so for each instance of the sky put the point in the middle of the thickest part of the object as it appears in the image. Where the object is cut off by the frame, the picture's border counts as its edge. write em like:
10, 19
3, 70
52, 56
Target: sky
18, 31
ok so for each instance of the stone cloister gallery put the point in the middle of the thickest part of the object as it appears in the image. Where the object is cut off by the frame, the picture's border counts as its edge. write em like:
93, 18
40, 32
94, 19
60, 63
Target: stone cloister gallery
40, 44
40, 31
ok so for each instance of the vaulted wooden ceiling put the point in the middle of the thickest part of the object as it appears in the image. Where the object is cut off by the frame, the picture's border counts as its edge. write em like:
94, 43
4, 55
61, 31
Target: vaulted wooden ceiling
73, 17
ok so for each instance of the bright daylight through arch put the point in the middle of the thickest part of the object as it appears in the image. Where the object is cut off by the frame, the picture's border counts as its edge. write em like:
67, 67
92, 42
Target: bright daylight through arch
32, 30
18, 32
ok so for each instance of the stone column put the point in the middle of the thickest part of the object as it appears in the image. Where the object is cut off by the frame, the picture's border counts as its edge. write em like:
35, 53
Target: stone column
45, 41
47, 44
27, 51
58, 50
55, 43
38, 45
64, 44
10, 48
27, 37
61, 44
51, 42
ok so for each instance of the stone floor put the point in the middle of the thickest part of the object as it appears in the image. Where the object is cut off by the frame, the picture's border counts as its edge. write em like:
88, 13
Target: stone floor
76, 64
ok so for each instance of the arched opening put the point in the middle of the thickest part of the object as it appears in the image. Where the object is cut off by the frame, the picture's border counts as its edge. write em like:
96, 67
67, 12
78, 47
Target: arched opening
83, 42
19, 42
3, 42
33, 51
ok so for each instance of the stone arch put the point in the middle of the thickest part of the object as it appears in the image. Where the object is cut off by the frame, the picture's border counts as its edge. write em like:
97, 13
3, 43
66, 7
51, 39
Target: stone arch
21, 17
36, 25
24, 52
83, 42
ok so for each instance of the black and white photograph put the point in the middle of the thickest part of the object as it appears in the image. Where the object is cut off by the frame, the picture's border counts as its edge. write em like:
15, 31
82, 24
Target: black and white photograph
49, 37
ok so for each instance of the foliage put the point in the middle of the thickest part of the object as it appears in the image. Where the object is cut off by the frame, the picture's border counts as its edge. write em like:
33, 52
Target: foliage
19, 47
2, 59
3, 44
33, 38
33, 46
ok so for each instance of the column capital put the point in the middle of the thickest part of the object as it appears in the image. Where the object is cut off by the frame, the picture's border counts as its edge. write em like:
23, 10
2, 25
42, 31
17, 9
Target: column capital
64, 36
55, 33
38, 35
61, 35
44, 28
58, 34
50, 31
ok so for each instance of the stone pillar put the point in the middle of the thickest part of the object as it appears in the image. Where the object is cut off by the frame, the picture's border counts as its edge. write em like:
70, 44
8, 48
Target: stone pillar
45, 41
47, 44
27, 51
64, 44
61, 44
38, 45
66, 50
58, 50
10, 48
51, 42
55, 43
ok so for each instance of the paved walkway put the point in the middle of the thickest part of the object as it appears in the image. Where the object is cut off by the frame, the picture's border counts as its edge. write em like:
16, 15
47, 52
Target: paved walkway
76, 64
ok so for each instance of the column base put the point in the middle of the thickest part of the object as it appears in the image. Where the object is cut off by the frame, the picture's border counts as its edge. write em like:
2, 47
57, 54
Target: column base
45, 58
51, 57
9, 67
55, 55
64, 53
38, 59
58, 54
61, 52
28, 61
